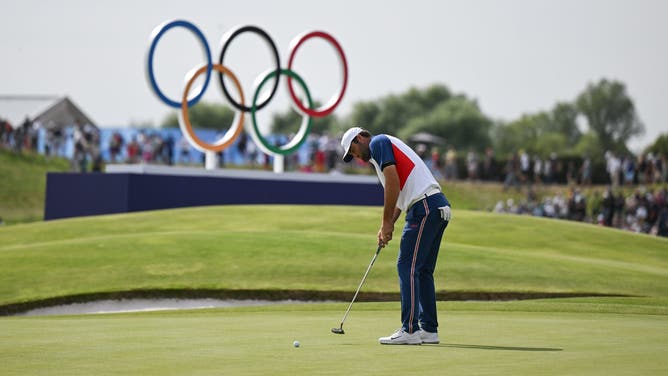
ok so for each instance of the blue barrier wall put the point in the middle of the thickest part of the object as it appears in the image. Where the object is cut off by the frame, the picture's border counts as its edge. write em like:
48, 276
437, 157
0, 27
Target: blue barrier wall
74, 194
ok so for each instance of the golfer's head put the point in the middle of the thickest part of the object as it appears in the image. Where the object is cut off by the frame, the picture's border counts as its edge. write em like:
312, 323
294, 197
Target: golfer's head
355, 144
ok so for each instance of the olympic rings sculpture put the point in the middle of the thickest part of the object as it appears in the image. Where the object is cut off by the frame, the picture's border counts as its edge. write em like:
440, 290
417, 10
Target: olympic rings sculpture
306, 109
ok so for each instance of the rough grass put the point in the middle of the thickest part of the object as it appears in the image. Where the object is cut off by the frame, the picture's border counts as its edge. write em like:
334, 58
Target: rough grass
23, 183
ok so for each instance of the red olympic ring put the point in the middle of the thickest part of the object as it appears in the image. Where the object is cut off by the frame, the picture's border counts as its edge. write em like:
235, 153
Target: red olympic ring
334, 101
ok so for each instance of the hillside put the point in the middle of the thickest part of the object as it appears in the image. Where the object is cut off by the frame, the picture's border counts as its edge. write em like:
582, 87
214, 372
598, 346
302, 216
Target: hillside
23, 183
297, 249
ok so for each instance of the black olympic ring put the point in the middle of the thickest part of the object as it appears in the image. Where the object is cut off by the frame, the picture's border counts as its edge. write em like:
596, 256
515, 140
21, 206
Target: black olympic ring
227, 38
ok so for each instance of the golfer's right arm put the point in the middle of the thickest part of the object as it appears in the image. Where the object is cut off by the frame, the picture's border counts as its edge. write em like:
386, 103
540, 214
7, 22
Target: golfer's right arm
390, 210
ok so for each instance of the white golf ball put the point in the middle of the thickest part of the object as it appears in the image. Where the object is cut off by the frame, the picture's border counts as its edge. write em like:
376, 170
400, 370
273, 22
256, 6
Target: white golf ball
296, 344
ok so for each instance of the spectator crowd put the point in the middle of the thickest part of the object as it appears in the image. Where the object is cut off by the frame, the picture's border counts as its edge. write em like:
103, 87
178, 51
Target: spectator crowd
88, 147
522, 169
643, 210
83, 140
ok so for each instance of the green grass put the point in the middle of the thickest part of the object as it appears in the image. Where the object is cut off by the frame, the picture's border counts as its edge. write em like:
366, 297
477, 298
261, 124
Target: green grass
326, 248
23, 184
299, 247
565, 337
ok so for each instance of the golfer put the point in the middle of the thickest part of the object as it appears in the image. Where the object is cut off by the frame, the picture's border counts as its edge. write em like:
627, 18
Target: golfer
409, 186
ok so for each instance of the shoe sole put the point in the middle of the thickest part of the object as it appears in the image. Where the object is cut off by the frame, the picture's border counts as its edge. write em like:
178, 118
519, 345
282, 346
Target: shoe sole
403, 343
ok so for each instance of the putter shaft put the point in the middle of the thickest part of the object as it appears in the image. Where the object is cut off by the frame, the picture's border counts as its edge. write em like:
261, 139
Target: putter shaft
357, 292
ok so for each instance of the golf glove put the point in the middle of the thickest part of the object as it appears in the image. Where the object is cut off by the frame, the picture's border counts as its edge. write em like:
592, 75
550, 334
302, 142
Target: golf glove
446, 213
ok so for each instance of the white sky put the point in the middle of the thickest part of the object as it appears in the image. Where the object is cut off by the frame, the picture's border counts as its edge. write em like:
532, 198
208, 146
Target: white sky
513, 56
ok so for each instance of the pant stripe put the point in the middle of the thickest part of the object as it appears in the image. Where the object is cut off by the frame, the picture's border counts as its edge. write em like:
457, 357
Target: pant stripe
415, 253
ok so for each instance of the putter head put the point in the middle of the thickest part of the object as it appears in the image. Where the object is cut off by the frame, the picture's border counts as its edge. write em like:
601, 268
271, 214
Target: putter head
338, 330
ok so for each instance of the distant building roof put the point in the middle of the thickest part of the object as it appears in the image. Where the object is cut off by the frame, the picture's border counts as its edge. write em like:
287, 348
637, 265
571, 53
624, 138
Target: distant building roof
50, 111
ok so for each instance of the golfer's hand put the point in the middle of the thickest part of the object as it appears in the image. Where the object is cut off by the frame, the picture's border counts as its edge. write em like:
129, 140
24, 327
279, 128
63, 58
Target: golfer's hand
385, 234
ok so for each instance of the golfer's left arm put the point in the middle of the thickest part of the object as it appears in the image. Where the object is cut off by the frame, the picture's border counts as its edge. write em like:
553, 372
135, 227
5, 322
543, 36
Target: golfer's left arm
390, 210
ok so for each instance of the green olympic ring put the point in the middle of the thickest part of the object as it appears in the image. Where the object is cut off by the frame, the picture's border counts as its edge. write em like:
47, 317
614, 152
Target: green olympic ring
304, 129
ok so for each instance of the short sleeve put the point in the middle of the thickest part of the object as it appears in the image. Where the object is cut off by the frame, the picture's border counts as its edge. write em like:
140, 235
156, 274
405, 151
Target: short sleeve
381, 151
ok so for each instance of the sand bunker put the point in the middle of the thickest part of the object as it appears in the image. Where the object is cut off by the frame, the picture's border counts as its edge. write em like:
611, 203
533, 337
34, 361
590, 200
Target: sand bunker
145, 305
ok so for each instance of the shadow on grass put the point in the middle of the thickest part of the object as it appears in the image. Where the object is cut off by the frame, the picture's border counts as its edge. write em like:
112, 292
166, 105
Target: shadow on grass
503, 348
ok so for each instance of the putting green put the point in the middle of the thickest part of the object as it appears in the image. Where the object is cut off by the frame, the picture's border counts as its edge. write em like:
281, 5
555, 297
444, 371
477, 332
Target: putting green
557, 337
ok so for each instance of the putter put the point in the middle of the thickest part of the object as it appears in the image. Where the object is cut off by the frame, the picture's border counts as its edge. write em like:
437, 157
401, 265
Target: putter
340, 330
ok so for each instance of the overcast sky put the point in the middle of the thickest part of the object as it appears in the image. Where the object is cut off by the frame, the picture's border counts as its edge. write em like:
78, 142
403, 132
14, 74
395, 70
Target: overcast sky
512, 56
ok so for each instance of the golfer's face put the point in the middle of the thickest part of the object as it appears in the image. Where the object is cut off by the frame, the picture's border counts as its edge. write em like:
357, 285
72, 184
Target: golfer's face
360, 150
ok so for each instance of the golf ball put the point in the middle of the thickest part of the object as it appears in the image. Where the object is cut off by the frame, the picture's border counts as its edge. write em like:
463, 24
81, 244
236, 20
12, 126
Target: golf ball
296, 344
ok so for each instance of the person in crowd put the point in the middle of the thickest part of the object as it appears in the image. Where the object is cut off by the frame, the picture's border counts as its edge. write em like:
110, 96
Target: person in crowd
525, 166
115, 146
451, 172
628, 170
489, 166
662, 215
585, 172
472, 165
613, 167
512, 172
435, 165
548, 171
537, 169
577, 206
571, 174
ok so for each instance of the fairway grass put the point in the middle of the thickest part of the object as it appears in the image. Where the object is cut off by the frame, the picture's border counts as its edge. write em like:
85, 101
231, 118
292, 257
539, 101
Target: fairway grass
318, 248
556, 337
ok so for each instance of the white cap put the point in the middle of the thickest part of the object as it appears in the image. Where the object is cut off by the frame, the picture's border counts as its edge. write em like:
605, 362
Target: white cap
347, 139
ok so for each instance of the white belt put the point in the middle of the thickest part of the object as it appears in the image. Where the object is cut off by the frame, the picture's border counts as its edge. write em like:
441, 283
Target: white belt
430, 192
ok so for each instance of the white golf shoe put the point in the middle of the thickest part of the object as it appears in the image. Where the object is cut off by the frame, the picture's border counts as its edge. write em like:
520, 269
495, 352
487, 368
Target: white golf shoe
429, 337
400, 337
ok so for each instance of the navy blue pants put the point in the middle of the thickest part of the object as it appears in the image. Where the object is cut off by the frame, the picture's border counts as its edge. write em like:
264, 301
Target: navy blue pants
418, 252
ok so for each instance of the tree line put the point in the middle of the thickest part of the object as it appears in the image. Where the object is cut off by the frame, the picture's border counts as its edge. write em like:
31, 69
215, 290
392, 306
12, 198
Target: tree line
601, 118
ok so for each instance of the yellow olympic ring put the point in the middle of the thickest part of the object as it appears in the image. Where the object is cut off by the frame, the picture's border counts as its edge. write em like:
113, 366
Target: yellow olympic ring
184, 120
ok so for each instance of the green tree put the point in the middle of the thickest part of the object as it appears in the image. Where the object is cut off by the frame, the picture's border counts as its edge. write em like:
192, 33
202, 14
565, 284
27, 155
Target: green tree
458, 121
203, 115
524, 133
660, 145
392, 113
610, 113
589, 145
550, 142
364, 114
288, 122
563, 120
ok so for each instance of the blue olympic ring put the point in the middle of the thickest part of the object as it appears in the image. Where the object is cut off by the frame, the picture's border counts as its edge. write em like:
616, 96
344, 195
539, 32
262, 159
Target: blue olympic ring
154, 41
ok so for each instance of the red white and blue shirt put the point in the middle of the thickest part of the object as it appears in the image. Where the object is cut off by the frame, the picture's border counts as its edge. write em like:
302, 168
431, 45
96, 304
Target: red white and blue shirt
415, 179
